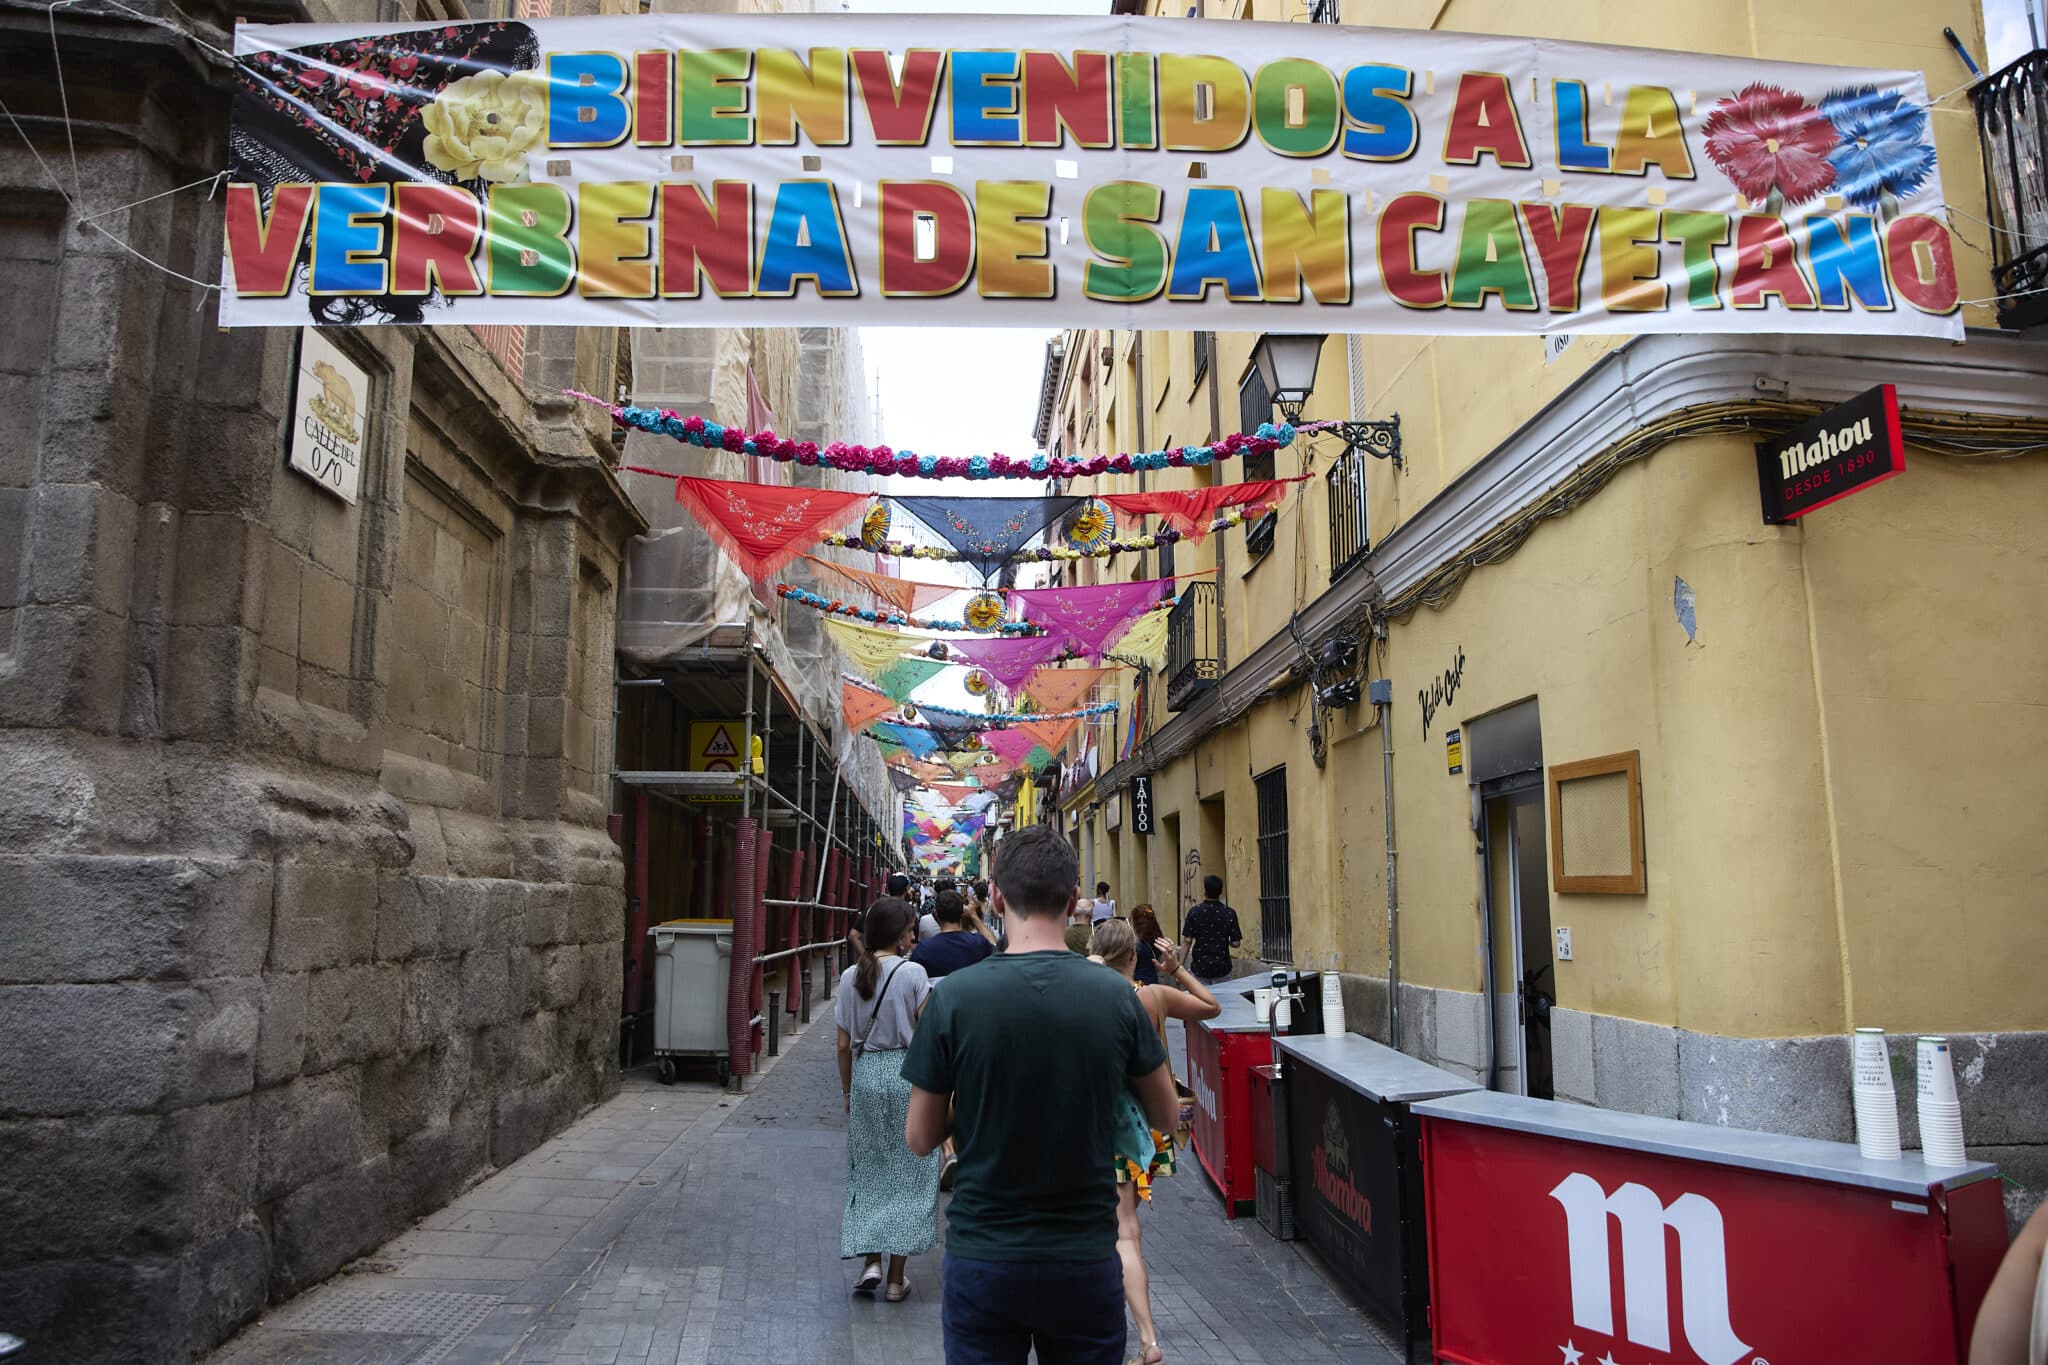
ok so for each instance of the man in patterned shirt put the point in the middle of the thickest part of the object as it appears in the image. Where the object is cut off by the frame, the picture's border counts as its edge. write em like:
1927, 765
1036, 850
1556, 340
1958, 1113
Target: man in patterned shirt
1209, 933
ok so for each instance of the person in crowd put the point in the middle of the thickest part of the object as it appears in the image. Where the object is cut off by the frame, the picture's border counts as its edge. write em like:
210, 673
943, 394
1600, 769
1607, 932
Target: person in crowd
971, 920
1145, 925
1079, 921
897, 886
928, 926
987, 910
954, 946
1104, 908
1209, 933
891, 1192
1027, 1057
2012, 1323
1145, 1150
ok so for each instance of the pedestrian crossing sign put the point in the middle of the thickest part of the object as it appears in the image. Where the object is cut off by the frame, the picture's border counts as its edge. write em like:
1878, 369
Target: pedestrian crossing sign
715, 748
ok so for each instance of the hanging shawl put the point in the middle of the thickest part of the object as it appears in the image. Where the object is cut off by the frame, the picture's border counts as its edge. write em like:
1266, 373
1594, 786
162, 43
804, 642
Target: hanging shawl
1145, 642
1061, 689
919, 742
761, 527
1015, 748
1088, 618
933, 772
988, 530
902, 781
1192, 511
906, 675
905, 594
950, 731
1011, 661
954, 792
1049, 733
869, 650
862, 706
960, 764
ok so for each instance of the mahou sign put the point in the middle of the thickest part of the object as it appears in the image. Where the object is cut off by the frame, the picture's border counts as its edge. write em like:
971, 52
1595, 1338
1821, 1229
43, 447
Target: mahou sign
749, 170
1582, 1247
1844, 449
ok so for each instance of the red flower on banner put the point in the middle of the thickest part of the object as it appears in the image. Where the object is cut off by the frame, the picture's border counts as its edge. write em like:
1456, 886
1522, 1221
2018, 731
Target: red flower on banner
403, 65
1771, 143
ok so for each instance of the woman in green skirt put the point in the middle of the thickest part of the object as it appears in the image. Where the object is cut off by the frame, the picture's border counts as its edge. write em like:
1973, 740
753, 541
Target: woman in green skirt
891, 1195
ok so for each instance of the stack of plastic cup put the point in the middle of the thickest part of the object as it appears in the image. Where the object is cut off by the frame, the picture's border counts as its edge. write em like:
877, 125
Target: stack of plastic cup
1941, 1114
1877, 1107
1262, 1003
1333, 1004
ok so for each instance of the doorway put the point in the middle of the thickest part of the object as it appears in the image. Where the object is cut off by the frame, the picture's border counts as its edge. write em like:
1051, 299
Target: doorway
1521, 986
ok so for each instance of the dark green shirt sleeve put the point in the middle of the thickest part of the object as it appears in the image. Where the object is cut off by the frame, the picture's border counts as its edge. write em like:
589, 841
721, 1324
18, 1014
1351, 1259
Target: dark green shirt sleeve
1147, 1053
929, 1063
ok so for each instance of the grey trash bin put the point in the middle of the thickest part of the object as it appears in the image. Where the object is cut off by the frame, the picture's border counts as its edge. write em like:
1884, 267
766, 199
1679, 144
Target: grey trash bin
692, 965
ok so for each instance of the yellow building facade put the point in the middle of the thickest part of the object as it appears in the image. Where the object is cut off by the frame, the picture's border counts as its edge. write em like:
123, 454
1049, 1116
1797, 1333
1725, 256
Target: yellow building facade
1814, 747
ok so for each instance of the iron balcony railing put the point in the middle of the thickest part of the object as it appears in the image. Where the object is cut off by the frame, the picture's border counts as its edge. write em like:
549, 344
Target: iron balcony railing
1194, 645
2012, 123
1346, 485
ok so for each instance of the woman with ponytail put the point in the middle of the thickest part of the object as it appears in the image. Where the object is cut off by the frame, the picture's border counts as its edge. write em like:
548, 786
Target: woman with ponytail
891, 1194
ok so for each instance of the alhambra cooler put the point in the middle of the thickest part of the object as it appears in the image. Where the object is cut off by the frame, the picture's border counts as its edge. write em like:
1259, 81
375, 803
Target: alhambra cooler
1356, 1170
1567, 1234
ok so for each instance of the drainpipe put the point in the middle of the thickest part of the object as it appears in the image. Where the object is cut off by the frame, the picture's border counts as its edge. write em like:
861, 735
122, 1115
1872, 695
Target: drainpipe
739, 1034
1386, 710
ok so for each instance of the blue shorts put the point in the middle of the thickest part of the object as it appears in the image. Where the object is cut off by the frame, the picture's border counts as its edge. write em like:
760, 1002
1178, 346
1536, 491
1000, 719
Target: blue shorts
996, 1312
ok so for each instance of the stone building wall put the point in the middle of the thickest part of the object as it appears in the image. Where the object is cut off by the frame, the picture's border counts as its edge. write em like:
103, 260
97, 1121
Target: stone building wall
308, 916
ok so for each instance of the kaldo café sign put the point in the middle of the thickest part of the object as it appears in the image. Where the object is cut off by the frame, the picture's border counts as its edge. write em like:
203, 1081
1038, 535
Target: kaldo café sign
1842, 451
1583, 1237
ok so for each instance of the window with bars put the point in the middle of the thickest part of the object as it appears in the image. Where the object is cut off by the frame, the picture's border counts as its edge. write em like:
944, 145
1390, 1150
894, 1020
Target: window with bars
1276, 911
1255, 405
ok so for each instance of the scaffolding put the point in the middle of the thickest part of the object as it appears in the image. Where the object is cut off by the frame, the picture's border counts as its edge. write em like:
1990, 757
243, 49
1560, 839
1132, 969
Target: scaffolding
785, 846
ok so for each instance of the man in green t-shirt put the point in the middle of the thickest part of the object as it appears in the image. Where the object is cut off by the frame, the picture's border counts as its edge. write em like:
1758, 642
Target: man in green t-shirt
1038, 1051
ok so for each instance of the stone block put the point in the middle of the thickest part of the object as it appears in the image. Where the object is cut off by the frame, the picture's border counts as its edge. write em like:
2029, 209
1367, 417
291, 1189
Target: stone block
79, 541
547, 915
325, 916
449, 1078
304, 1129
476, 847
542, 1050
408, 924
522, 1117
81, 918
322, 1226
97, 1311
431, 1004
1461, 1028
69, 673
430, 1167
327, 621
352, 1014
494, 1056
125, 1048
134, 1173
281, 1027
597, 914
1571, 1055
2002, 1080
397, 1096
1636, 1066
214, 586
489, 993
206, 680
2025, 1184
559, 976
1418, 1021
222, 1283
1798, 1086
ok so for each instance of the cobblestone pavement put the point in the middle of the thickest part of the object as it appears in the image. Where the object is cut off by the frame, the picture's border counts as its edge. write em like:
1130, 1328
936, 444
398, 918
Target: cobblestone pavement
677, 1224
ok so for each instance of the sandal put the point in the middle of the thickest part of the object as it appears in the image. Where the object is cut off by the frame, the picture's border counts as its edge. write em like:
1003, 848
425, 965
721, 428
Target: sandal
870, 1279
1149, 1354
897, 1293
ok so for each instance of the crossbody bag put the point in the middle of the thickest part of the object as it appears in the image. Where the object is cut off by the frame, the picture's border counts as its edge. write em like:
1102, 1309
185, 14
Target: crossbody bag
860, 1044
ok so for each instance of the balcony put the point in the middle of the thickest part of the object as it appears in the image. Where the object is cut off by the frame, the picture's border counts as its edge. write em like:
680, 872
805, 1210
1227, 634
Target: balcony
1194, 645
1346, 485
2012, 124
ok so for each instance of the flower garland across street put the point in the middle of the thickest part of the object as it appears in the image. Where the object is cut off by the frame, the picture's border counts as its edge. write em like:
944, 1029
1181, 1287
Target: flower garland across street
894, 618
1166, 535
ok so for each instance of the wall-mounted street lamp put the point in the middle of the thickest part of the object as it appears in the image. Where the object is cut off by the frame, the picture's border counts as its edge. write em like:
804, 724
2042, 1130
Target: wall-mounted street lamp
1286, 362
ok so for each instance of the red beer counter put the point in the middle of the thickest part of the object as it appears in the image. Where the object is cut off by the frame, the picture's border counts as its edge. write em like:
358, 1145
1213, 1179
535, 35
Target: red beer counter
1565, 1233
1221, 1054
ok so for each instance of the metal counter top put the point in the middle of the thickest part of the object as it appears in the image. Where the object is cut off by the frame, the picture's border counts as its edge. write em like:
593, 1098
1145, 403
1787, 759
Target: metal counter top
1838, 1163
1238, 1015
1372, 1068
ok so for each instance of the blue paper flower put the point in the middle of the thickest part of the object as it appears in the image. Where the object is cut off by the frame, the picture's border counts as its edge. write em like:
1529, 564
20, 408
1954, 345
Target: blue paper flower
977, 467
714, 435
1038, 464
1881, 152
927, 463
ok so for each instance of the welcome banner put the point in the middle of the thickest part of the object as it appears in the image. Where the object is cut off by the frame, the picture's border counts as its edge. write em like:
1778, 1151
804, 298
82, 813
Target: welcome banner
680, 170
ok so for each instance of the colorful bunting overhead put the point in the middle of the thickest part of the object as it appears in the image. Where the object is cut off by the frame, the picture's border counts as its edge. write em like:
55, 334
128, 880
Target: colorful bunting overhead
905, 594
862, 707
1091, 617
868, 649
998, 719
902, 781
1049, 733
894, 618
920, 743
761, 527
906, 675
1053, 690
1144, 643
1010, 662
987, 531
881, 460
1018, 749
1193, 511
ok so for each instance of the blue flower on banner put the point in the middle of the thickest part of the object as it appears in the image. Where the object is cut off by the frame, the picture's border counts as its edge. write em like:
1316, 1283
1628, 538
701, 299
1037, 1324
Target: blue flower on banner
1881, 155
977, 467
1037, 464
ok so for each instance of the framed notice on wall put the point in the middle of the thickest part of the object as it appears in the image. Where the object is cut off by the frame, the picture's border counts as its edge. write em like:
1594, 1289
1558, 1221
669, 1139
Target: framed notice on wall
330, 417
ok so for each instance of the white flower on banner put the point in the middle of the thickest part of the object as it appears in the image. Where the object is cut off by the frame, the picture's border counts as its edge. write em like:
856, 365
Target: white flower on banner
483, 126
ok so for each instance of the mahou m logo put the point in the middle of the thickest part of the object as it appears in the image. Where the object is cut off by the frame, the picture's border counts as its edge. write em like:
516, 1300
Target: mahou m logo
1332, 1163
1702, 1266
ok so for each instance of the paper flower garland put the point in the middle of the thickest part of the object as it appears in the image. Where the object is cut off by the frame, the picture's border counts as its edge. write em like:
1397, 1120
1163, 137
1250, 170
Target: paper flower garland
894, 618
881, 460
984, 612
